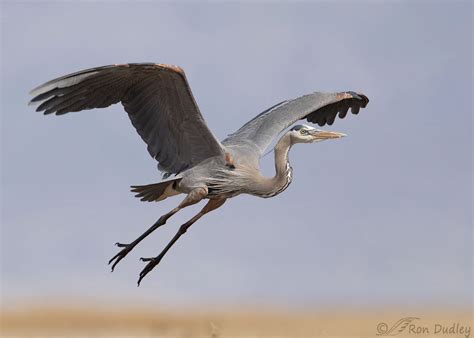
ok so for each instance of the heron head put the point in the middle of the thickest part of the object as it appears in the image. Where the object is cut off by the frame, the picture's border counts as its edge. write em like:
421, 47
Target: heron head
305, 134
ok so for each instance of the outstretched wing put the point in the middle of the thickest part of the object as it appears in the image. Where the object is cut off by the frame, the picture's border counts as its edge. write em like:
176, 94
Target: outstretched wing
320, 108
157, 99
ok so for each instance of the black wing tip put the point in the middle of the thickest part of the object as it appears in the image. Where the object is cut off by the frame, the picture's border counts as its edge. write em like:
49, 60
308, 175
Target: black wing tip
358, 96
357, 101
38, 99
365, 100
34, 100
344, 101
136, 188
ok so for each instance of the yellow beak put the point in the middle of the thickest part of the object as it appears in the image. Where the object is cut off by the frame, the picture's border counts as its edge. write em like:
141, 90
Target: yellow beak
325, 135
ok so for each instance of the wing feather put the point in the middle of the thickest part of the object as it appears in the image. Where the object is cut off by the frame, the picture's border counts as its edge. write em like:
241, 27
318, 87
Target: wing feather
318, 108
157, 99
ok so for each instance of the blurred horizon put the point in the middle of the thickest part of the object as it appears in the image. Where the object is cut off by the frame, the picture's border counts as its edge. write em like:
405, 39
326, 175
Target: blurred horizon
141, 321
382, 218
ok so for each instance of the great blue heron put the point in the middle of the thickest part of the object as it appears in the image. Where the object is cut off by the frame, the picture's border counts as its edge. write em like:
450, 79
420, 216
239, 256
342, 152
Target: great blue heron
162, 109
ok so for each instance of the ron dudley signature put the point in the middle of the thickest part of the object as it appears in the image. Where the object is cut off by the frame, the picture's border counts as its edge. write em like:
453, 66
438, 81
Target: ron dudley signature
410, 325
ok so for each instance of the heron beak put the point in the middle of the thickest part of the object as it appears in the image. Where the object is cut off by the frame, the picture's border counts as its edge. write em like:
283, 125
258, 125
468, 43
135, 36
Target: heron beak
326, 135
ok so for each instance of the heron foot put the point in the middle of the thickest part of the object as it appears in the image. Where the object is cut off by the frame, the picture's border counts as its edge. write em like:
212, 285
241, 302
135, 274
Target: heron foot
128, 247
152, 262
121, 254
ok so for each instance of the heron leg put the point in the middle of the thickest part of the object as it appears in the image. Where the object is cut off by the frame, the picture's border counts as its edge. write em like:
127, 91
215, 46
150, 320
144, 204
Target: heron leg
193, 197
154, 261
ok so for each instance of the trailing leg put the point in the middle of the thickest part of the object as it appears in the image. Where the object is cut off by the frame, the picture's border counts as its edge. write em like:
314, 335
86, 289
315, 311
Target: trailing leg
193, 197
154, 261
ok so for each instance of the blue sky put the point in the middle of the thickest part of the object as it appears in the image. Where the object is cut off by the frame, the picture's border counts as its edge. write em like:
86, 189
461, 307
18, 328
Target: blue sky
382, 217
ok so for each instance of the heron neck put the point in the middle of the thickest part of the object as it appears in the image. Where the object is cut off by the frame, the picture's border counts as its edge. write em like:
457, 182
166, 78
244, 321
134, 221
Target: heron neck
270, 186
282, 165
284, 172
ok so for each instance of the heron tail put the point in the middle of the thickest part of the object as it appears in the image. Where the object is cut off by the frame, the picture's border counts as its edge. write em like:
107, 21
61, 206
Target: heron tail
157, 191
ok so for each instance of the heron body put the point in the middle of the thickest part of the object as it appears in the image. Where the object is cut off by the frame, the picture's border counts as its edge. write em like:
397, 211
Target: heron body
162, 109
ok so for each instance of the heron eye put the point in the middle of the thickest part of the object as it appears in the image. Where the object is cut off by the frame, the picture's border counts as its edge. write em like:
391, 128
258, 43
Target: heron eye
304, 132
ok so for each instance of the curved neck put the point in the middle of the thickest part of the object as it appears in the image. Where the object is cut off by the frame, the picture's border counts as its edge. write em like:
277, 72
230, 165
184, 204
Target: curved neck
269, 187
282, 165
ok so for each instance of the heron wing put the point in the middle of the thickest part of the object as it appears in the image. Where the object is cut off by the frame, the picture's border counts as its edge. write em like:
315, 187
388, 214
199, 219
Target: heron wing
321, 108
157, 99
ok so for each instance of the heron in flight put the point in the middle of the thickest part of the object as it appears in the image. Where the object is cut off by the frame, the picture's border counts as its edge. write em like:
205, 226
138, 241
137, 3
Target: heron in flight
161, 106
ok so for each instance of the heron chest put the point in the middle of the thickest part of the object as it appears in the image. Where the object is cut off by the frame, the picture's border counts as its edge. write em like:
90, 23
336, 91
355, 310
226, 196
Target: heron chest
287, 178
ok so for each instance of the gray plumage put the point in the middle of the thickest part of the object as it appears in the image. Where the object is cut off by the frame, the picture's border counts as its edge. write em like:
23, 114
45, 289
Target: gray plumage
157, 99
162, 109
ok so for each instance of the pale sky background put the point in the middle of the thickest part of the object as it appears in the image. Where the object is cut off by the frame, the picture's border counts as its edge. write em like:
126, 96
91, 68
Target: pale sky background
382, 217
